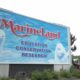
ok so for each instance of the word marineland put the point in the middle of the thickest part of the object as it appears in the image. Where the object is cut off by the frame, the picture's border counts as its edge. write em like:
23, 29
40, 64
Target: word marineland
27, 30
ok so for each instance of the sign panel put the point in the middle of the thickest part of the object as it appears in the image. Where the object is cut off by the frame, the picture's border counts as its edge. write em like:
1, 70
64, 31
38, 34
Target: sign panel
30, 41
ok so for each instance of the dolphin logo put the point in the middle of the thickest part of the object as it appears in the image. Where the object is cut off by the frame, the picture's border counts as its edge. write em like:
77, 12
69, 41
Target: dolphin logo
61, 55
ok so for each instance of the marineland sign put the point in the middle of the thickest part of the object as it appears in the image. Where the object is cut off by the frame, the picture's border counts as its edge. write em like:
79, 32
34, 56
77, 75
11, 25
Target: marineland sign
31, 41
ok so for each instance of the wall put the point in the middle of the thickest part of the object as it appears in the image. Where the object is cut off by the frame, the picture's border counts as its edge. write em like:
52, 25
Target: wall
4, 70
16, 69
58, 67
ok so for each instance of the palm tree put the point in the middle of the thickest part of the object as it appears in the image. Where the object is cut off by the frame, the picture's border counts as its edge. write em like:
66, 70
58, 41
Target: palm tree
73, 48
73, 39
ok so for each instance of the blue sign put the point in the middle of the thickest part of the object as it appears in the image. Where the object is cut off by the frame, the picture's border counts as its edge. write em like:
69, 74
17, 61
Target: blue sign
30, 41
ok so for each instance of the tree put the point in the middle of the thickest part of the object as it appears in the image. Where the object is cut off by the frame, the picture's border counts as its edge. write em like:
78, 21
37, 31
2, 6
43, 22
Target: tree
73, 48
73, 39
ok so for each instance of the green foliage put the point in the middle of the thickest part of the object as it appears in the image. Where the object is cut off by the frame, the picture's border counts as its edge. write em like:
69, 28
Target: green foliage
6, 78
75, 73
55, 75
76, 57
65, 74
51, 75
36, 76
44, 75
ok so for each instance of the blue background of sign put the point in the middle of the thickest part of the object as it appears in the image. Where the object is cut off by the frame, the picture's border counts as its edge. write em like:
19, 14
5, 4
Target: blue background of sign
9, 54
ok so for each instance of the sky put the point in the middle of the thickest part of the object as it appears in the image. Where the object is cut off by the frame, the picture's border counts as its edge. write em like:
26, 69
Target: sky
65, 12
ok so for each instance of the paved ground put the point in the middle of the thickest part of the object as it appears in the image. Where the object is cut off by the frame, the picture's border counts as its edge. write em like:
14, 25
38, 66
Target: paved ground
63, 79
58, 79
69, 79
